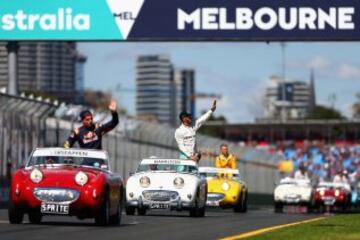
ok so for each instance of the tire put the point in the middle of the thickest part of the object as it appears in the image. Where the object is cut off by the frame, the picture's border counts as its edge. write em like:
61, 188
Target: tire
16, 216
245, 205
197, 211
238, 206
103, 217
35, 217
116, 219
142, 211
278, 207
130, 211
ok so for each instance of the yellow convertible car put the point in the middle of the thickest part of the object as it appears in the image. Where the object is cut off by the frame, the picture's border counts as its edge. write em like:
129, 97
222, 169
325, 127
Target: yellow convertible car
225, 189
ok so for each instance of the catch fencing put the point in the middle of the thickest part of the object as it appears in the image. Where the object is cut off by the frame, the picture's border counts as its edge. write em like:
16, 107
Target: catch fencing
29, 123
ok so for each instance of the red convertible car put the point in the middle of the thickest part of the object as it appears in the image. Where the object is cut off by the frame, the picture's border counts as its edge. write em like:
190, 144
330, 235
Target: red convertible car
331, 196
57, 181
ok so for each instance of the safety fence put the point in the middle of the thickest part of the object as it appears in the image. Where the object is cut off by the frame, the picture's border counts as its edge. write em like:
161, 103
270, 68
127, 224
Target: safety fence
29, 123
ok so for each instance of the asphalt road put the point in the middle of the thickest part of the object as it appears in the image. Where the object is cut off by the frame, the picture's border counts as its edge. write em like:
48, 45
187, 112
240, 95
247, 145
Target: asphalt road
156, 225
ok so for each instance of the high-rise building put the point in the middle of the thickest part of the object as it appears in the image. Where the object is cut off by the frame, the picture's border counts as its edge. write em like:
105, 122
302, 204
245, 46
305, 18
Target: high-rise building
46, 67
155, 89
163, 91
289, 99
185, 91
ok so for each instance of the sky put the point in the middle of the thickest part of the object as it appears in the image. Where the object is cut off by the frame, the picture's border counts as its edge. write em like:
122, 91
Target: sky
238, 71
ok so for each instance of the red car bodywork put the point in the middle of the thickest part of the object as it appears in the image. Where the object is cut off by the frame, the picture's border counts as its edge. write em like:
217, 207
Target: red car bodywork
102, 187
332, 198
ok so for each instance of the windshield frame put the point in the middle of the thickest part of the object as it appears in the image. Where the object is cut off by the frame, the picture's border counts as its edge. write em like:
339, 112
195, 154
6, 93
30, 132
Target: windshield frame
106, 159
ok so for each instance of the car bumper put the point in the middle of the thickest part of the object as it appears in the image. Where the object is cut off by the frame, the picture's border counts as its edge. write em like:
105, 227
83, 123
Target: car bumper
86, 203
167, 205
221, 200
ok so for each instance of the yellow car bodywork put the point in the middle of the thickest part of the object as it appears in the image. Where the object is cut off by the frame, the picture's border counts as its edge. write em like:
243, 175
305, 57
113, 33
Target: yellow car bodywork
226, 190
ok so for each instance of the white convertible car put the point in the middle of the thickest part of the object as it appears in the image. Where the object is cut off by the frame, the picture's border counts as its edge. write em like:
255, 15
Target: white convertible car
172, 184
292, 191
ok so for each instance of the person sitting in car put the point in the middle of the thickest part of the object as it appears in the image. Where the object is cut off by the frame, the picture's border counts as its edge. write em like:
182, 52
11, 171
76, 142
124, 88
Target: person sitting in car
301, 173
225, 159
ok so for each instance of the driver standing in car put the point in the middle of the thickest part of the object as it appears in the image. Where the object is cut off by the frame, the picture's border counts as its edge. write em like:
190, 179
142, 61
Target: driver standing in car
89, 135
185, 135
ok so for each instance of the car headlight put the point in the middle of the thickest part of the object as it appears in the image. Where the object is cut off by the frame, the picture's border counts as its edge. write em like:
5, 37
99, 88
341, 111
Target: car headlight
36, 175
144, 182
322, 192
225, 186
179, 182
337, 192
81, 178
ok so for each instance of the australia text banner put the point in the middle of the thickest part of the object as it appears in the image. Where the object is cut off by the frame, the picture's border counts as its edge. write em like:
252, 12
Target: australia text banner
180, 20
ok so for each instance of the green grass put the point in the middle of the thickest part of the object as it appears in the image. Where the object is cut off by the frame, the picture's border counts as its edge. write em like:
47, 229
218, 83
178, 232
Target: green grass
340, 227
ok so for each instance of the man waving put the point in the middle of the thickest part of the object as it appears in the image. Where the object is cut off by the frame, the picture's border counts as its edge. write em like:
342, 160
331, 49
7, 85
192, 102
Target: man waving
185, 135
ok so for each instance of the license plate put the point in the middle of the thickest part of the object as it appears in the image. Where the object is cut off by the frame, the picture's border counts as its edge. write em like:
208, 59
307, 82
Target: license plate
54, 208
212, 203
159, 205
329, 202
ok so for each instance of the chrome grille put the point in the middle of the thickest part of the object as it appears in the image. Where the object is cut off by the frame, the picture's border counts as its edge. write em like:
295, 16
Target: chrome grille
56, 195
160, 195
215, 196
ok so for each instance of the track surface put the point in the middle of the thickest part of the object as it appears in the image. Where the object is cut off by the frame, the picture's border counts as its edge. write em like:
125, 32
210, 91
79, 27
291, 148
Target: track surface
156, 225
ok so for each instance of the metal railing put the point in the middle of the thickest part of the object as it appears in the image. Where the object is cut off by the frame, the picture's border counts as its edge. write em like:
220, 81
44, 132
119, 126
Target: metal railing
26, 124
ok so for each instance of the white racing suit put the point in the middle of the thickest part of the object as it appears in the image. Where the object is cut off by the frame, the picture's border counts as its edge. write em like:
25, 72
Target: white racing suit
186, 136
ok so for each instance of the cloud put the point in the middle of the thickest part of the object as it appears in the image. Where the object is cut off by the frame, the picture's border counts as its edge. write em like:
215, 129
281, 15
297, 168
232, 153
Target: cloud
316, 62
327, 69
348, 71
319, 63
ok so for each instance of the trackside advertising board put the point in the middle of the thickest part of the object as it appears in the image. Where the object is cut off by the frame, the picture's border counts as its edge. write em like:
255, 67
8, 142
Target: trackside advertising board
180, 20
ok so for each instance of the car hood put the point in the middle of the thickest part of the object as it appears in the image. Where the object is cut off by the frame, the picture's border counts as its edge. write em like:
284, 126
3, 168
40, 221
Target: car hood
215, 185
292, 190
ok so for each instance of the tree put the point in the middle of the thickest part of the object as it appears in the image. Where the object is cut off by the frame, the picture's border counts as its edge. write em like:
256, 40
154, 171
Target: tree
356, 107
213, 130
323, 112
97, 99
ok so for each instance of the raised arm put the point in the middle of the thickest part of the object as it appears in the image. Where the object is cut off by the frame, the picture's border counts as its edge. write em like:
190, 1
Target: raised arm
201, 120
113, 122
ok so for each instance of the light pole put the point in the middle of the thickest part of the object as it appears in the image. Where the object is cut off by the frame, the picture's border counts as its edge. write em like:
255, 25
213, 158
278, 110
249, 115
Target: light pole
12, 49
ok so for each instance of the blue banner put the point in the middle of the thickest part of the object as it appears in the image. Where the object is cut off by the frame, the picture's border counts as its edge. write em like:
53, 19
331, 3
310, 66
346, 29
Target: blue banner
180, 20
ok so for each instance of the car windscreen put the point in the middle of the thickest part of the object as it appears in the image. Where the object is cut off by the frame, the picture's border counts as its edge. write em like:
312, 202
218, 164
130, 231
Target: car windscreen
83, 161
179, 168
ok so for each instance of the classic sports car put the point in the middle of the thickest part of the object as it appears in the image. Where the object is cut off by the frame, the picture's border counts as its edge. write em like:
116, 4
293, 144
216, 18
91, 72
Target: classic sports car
292, 191
332, 196
172, 184
57, 181
225, 189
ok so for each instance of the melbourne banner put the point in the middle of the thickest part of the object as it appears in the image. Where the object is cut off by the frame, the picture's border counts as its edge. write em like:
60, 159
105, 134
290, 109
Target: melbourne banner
180, 20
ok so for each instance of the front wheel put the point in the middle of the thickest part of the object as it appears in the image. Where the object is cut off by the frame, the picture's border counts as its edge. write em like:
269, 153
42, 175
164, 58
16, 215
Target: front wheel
197, 211
15, 215
142, 211
35, 217
278, 207
130, 211
103, 217
116, 218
